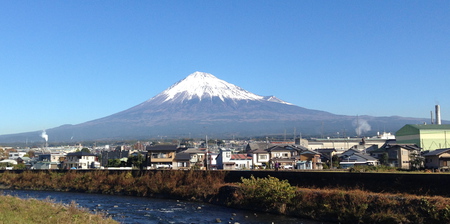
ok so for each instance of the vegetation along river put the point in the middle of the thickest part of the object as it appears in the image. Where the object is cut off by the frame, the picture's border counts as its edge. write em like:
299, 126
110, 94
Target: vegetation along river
127, 209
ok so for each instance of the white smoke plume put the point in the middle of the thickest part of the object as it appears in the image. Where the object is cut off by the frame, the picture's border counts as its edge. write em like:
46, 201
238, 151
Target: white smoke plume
44, 135
361, 126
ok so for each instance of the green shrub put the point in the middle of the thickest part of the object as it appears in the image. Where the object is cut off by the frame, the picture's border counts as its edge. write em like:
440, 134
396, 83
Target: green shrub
269, 193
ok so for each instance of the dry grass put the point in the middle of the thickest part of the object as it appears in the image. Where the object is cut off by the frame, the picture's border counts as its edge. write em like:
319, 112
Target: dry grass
185, 184
16, 210
357, 206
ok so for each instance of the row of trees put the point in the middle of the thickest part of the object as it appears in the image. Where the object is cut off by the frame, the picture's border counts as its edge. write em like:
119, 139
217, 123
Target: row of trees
416, 160
137, 161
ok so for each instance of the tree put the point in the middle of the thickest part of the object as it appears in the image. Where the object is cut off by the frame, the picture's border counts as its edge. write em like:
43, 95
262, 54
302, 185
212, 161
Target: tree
136, 161
2, 153
31, 153
114, 163
416, 160
384, 160
336, 161
19, 166
85, 150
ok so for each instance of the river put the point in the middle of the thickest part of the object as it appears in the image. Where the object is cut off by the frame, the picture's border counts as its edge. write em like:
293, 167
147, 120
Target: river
134, 210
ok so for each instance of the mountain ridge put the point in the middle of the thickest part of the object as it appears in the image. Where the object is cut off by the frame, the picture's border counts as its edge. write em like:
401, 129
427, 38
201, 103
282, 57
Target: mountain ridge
203, 104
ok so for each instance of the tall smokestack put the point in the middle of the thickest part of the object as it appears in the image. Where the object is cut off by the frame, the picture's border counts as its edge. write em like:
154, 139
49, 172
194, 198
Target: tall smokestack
431, 113
438, 114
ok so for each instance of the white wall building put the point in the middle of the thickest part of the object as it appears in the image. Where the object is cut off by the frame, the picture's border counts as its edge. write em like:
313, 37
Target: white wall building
80, 160
16, 155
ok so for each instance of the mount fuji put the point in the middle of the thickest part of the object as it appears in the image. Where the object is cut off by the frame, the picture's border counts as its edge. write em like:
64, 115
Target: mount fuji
202, 104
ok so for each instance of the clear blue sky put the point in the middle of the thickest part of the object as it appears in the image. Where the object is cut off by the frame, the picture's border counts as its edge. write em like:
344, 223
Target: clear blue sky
67, 62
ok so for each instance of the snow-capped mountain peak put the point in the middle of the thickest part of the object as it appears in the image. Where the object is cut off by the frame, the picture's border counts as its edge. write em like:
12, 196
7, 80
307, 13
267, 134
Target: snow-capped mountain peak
205, 85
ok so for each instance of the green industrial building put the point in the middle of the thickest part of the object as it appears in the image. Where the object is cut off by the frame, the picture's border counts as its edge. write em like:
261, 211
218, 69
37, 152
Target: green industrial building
427, 136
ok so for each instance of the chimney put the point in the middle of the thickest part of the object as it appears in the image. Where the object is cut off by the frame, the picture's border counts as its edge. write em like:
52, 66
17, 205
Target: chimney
438, 114
432, 121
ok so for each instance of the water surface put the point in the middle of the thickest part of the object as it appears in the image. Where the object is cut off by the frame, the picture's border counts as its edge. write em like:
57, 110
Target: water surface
128, 209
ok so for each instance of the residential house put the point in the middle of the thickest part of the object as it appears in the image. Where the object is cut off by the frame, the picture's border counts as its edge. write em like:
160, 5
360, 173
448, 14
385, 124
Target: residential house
80, 160
283, 156
55, 157
403, 156
252, 146
16, 155
45, 165
260, 158
226, 160
350, 152
161, 156
353, 157
223, 159
326, 155
241, 161
438, 159
260, 154
189, 159
309, 160
213, 160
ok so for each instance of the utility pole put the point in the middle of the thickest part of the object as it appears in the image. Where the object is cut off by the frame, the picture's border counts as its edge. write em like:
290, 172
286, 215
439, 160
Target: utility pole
331, 160
207, 154
294, 135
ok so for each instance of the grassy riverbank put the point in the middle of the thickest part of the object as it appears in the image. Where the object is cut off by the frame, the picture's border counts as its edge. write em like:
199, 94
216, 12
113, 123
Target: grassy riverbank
343, 206
267, 194
15, 210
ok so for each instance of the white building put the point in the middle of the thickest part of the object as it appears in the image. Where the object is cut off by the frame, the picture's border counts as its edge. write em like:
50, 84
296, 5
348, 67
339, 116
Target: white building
226, 160
16, 155
81, 160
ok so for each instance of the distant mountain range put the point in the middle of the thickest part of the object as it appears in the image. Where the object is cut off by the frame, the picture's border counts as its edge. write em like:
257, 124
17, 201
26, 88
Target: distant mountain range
202, 104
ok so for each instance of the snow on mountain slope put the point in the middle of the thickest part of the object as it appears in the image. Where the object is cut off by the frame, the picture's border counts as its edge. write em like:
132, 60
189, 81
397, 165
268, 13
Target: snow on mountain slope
276, 100
206, 86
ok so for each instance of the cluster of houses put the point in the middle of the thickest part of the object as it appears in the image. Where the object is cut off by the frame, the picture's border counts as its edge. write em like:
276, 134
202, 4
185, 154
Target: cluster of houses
413, 147
419, 148
282, 156
51, 160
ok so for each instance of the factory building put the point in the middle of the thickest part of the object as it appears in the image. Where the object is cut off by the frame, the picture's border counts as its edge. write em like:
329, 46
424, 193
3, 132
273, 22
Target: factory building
427, 136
